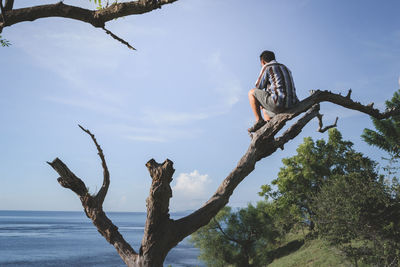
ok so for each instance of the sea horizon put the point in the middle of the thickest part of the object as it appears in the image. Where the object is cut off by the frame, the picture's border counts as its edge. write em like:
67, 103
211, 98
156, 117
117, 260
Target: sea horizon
171, 212
68, 238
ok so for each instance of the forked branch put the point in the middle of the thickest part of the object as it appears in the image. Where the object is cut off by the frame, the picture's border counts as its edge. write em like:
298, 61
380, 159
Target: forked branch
296, 128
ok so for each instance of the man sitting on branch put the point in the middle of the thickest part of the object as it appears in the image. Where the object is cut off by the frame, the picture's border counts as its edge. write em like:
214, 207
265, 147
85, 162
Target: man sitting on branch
274, 91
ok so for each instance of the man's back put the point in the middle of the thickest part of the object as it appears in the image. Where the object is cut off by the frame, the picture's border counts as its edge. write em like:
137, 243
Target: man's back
277, 79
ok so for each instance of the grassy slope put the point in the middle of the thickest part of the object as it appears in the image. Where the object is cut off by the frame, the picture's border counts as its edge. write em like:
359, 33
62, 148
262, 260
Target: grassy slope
313, 253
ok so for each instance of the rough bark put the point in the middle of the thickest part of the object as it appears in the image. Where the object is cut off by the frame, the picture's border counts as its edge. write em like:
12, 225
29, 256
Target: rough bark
162, 233
157, 231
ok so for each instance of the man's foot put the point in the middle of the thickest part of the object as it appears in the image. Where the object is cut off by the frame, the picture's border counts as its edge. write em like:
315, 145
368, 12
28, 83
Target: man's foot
257, 126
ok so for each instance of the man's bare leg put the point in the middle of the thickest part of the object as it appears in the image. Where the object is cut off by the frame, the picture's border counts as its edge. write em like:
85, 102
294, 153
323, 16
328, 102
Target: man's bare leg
255, 105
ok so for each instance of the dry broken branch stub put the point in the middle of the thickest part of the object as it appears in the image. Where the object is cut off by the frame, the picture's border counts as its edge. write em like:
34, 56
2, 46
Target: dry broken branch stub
68, 179
348, 94
320, 123
161, 232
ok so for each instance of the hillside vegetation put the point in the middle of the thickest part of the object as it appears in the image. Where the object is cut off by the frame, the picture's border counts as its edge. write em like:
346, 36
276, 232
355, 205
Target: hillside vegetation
313, 252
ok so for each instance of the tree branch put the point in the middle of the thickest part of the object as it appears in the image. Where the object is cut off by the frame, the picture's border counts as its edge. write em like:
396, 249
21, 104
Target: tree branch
347, 102
68, 179
100, 196
97, 18
94, 209
262, 145
118, 39
296, 128
320, 123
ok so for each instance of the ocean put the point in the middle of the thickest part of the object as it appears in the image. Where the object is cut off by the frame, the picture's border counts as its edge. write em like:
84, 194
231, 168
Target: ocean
57, 238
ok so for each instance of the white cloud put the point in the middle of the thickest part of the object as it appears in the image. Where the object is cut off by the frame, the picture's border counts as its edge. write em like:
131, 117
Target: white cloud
190, 190
191, 184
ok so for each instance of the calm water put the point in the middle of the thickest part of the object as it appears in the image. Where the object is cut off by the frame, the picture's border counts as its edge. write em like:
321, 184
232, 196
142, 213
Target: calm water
50, 238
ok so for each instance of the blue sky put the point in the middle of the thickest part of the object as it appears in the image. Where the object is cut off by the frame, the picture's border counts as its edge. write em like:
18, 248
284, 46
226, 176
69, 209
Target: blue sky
182, 95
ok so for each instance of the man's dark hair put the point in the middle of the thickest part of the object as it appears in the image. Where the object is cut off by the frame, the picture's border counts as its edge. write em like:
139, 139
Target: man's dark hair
267, 56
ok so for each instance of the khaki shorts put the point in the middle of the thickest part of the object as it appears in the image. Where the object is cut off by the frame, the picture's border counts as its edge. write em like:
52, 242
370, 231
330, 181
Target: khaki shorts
267, 102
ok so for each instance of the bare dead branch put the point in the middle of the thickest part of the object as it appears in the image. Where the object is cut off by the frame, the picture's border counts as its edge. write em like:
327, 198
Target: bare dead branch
94, 209
320, 123
100, 196
119, 39
97, 18
296, 128
327, 96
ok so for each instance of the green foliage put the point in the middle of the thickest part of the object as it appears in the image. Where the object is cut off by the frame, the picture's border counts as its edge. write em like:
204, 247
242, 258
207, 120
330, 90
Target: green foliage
101, 5
98, 3
4, 42
361, 215
304, 174
285, 218
236, 238
387, 134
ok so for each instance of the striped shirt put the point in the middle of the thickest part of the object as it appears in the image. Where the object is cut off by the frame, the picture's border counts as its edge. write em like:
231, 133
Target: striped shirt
277, 80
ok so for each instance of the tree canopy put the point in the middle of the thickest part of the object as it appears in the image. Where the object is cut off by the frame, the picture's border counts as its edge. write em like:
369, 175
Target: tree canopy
303, 175
360, 214
237, 238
